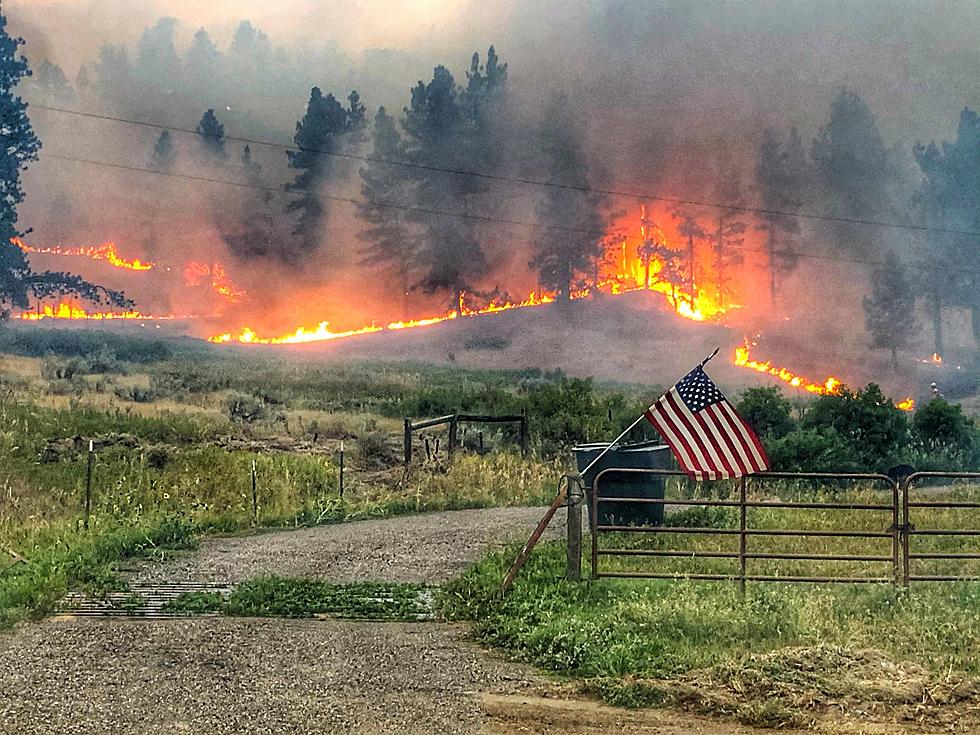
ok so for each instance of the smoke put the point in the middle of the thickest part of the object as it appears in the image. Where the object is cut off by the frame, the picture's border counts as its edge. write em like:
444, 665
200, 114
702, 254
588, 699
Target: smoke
661, 87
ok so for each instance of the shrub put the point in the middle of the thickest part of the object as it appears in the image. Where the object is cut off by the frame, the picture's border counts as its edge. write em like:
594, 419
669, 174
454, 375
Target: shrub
813, 450
767, 411
942, 424
246, 409
372, 450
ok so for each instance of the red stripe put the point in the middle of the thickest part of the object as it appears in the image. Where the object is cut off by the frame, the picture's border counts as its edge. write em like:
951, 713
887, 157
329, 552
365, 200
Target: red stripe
698, 464
710, 424
710, 465
738, 438
661, 422
762, 463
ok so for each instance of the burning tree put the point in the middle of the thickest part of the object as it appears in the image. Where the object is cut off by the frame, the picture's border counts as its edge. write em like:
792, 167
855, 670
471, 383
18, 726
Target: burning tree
726, 238
691, 230
572, 247
889, 311
17, 281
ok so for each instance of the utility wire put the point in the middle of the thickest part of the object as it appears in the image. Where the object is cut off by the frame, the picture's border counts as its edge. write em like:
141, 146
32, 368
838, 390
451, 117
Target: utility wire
526, 181
420, 210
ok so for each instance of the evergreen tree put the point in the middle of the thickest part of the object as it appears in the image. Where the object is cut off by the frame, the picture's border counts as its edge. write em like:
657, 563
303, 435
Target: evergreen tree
157, 63
203, 63
780, 177
251, 167
563, 254
889, 311
51, 82
82, 81
389, 240
212, 134
114, 73
729, 226
689, 228
852, 166
164, 152
326, 129
17, 281
949, 199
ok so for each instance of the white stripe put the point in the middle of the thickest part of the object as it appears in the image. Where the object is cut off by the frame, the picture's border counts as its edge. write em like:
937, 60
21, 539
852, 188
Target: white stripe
759, 464
657, 410
722, 443
729, 443
710, 446
676, 421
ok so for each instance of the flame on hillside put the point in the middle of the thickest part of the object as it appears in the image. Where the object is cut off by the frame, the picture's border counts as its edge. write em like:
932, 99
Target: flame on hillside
105, 252
196, 274
906, 405
744, 359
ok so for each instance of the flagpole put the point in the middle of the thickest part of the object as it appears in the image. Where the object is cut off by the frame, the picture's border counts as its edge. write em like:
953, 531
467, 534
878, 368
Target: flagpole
614, 442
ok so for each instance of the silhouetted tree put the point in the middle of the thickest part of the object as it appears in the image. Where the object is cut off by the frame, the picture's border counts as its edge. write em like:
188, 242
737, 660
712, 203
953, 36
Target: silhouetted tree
326, 129
569, 249
164, 152
157, 63
203, 62
17, 281
690, 229
212, 134
389, 240
114, 73
729, 226
780, 176
889, 311
53, 85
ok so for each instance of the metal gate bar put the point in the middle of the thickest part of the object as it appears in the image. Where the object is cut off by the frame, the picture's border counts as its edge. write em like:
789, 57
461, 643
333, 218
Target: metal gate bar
743, 532
909, 529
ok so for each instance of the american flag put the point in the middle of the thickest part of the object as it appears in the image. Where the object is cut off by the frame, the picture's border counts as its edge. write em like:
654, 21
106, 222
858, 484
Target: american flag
706, 434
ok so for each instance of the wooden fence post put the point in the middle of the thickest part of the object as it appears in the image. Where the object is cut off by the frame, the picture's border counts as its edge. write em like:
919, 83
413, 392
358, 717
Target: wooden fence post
573, 562
453, 429
524, 432
88, 482
408, 441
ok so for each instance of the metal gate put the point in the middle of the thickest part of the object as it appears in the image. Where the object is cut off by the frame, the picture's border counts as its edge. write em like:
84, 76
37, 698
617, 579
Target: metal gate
887, 531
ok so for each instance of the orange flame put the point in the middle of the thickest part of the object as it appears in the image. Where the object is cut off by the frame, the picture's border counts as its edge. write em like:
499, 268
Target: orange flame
106, 251
937, 358
907, 405
196, 273
66, 310
743, 359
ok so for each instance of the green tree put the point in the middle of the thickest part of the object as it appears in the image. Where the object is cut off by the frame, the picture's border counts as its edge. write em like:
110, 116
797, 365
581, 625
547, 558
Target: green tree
889, 311
572, 221
942, 424
767, 410
21, 146
212, 134
327, 128
867, 420
164, 152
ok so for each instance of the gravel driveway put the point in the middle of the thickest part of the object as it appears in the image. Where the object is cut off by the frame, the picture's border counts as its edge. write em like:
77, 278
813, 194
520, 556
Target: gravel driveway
429, 548
226, 675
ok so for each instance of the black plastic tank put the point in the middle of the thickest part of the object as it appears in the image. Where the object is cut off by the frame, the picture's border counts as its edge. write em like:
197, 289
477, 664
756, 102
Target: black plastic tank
643, 455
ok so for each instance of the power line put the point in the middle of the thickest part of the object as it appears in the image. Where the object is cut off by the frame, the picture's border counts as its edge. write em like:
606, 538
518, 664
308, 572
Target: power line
420, 210
763, 211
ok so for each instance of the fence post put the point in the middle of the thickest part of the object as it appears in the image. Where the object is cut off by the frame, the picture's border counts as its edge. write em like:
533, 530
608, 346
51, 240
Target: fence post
906, 527
573, 562
255, 496
741, 535
453, 429
88, 482
896, 536
408, 441
593, 524
341, 469
524, 432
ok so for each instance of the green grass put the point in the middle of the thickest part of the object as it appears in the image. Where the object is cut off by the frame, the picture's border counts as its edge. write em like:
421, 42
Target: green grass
760, 657
306, 598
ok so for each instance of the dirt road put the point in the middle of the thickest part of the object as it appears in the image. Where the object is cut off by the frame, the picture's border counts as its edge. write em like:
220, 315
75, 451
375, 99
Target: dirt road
225, 675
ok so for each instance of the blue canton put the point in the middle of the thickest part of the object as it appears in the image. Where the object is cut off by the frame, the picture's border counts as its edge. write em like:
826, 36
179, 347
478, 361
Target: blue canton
697, 391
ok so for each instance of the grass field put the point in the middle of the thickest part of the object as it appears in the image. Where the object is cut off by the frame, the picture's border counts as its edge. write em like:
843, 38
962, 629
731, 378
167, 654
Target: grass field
781, 655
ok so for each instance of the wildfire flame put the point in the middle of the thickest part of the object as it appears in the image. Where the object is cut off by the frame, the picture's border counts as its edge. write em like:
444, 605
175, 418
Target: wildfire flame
743, 359
907, 405
67, 310
106, 251
937, 358
196, 273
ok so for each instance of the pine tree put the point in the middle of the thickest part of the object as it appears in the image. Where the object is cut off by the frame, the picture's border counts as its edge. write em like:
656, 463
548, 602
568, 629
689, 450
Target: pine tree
780, 176
164, 152
53, 85
17, 281
726, 236
157, 63
689, 228
389, 240
203, 63
212, 134
114, 74
889, 311
326, 129
252, 168
564, 253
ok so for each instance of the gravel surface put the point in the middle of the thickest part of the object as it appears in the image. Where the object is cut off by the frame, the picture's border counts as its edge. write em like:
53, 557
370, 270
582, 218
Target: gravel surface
222, 675
428, 548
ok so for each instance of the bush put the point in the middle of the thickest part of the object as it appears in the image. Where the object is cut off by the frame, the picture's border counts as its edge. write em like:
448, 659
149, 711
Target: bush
866, 420
246, 409
942, 424
136, 394
767, 411
373, 451
813, 450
